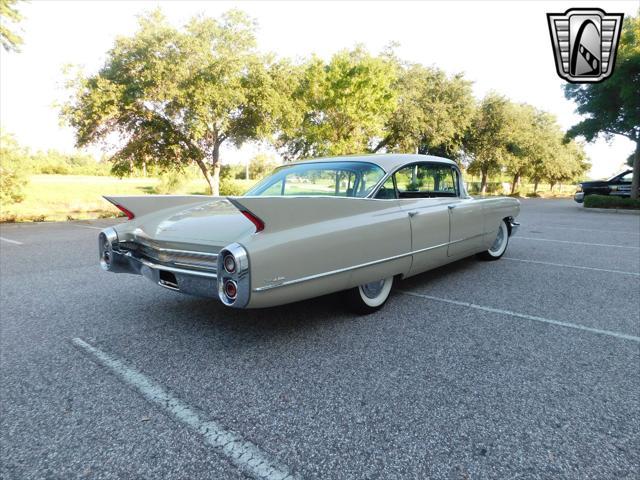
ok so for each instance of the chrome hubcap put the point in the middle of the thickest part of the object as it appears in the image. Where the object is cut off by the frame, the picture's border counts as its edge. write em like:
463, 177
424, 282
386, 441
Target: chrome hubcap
373, 289
498, 242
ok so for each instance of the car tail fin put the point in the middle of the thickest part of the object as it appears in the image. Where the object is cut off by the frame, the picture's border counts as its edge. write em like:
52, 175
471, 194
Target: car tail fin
280, 213
138, 205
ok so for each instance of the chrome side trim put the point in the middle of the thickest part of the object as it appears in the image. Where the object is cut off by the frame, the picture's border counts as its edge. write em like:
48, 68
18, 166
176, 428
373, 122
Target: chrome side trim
347, 269
362, 265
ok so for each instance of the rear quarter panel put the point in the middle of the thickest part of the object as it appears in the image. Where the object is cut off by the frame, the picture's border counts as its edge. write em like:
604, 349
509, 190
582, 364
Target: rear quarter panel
311, 237
494, 210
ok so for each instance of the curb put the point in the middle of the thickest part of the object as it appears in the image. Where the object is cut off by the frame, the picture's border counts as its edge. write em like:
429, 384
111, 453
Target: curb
626, 211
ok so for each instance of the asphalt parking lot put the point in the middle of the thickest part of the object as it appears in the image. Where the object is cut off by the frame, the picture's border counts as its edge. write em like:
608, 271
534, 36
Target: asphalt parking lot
528, 367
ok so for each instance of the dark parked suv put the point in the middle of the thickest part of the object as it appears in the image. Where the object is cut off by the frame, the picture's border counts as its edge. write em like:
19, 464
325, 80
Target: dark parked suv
620, 185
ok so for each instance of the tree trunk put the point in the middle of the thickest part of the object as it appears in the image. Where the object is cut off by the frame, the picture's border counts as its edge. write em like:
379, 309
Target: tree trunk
483, 183
635, 180
215, 185
215, 164
516, 183
205, 172
551, 185
383, 143
535, 186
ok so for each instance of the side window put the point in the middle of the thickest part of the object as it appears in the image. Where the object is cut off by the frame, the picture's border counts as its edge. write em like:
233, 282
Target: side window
275, 190
387, 190
424, 180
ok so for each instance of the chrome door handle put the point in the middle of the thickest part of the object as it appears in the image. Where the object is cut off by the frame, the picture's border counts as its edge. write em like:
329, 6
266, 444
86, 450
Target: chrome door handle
413, 213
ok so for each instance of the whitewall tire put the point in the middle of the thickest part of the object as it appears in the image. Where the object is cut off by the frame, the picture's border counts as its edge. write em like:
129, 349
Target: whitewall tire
499, 244
369, 297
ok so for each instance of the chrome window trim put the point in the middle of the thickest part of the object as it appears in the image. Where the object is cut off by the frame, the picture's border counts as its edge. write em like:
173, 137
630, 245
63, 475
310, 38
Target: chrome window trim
384, 173
459, 194
362, 265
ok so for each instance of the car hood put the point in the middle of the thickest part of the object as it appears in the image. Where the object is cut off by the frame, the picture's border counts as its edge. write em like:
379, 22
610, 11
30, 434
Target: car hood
595, 183
215, 222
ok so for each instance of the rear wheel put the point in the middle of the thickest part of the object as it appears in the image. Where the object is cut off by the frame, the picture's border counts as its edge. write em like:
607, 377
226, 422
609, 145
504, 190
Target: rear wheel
369, 297
499, 245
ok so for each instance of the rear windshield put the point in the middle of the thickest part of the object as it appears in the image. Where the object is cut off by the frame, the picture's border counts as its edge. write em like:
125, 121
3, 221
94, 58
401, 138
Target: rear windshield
333, 179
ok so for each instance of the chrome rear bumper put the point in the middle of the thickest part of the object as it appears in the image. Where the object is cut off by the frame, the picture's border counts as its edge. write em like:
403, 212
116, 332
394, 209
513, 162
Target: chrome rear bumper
116, 260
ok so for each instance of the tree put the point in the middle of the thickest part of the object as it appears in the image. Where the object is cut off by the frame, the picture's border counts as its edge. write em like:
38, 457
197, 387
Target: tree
12, 179
486, 139
340, 106
10, 40
261, 165
433, 112
172, 97
612, 107
569, 164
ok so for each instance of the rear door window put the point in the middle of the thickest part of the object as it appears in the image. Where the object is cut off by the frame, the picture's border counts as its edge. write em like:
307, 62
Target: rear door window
426, 180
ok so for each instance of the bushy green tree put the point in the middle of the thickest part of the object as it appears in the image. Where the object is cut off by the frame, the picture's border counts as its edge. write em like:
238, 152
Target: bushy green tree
612, 107
173, 97
432, 114
261, 165
12, 178
342, 105
485, 141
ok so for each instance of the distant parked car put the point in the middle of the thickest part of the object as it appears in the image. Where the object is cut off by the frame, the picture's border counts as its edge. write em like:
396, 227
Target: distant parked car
620, 186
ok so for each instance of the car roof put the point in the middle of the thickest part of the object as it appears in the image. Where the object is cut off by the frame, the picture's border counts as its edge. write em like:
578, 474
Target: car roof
387, 161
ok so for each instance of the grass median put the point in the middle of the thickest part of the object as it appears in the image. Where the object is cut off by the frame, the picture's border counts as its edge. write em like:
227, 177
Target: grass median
79, 197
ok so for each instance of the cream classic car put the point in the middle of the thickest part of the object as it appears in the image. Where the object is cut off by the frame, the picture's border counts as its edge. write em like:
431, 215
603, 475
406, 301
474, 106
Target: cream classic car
350, 224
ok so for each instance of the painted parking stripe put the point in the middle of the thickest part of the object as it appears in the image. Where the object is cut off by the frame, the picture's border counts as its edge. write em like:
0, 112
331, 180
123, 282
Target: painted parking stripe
241, 453
549, 321
8, 240
576, 243
565, 265
86, 226
556, 227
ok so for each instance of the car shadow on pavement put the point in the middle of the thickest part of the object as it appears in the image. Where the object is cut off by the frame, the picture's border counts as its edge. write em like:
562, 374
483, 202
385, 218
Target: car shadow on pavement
202, 316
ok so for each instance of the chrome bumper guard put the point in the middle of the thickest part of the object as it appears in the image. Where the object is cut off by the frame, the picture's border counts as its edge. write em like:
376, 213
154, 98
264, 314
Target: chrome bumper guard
116, 260
513, 227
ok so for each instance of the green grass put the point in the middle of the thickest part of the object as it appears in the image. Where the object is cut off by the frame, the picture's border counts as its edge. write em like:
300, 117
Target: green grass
607, 201
75, 197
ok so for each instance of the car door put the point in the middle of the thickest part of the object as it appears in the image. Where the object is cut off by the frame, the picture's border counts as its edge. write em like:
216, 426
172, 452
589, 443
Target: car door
622, 185
466, 227
425, 194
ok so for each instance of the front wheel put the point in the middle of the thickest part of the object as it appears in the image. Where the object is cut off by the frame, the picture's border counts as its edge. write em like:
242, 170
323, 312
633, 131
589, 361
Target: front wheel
499, 245
369, 297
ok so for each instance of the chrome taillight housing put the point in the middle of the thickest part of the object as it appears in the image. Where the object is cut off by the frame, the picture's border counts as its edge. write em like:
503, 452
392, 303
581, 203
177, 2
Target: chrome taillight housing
107, 241
234, 285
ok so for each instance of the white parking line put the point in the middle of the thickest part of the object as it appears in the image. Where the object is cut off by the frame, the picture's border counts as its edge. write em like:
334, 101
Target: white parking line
242, 453
86, 226
555, 227
565, 265
610, 333
8, 240
576, 243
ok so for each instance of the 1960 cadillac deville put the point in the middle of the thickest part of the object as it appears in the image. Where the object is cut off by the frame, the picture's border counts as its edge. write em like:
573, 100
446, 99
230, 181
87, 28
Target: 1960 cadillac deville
348, 224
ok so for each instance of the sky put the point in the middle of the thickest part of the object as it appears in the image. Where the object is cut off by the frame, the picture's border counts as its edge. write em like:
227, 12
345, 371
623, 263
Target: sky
501, 46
